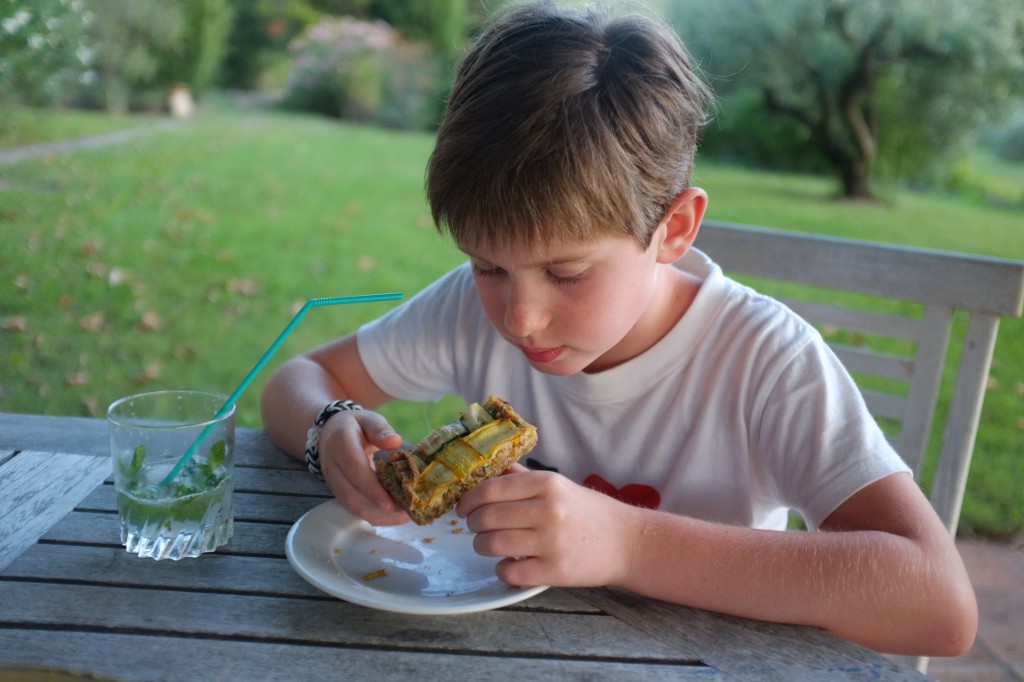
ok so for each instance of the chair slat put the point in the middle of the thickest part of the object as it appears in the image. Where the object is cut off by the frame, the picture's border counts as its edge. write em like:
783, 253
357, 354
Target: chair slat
947, 492
867, 361
889, 326
990, 285
885, 405
923, 395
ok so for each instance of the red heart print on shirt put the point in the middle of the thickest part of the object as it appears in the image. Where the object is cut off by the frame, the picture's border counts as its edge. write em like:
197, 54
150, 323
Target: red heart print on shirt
636, 494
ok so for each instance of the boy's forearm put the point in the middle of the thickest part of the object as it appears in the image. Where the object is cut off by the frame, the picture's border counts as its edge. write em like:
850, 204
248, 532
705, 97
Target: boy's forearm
883, 590
297, 392
291, 400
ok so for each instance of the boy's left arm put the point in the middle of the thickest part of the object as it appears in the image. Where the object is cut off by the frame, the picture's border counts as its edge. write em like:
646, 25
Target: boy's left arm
883, 571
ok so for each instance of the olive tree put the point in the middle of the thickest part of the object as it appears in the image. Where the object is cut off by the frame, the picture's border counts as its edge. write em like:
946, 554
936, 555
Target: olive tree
898, 81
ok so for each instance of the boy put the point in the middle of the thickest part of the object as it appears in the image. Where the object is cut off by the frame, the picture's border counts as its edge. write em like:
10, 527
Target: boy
680, 414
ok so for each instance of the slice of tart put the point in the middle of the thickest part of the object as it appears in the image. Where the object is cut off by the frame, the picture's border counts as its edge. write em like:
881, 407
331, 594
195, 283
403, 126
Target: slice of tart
428, 480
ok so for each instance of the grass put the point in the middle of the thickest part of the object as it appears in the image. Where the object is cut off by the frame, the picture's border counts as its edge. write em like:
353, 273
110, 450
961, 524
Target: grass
174, 260
20, 126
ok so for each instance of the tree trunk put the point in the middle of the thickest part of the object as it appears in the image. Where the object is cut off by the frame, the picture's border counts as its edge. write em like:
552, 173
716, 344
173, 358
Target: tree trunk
856, 179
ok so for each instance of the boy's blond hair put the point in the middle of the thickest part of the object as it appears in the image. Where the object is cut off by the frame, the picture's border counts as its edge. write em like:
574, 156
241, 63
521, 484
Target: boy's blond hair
565, 124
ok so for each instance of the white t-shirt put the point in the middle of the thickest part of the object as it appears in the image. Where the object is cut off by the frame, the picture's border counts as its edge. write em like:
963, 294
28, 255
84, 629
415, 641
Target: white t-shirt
739, 414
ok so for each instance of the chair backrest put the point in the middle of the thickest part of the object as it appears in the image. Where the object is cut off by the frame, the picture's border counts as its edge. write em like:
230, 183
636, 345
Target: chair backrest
888, 313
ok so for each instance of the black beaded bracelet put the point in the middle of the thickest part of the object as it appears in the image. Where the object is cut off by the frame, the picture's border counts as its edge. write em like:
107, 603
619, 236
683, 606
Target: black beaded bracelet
313, 436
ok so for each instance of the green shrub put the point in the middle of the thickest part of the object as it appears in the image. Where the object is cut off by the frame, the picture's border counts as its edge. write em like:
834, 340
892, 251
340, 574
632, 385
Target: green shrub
42, 51
1008, 142
363, 71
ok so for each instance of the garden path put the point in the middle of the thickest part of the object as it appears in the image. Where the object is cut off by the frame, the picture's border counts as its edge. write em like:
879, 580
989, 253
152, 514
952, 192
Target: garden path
12, 155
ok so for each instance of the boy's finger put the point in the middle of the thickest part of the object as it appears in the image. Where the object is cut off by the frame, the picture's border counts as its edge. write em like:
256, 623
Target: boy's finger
379, 511
378, 431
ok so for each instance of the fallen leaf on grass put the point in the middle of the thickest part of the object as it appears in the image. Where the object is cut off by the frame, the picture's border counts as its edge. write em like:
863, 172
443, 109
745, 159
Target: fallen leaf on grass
97, 269
150, 322
18, 323
116, 276
93, 322
90, 247
151, 373
246, 286
366, 263
184, 352
78, 378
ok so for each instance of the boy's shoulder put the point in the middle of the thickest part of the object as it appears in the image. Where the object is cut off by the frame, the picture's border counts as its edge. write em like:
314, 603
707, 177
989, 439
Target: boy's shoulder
725, 308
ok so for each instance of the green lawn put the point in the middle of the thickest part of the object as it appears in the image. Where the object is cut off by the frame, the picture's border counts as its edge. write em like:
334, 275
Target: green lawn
29, 126
175, 259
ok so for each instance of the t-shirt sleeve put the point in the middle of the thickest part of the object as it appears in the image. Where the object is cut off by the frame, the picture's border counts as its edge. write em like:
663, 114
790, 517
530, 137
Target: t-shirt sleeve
411, 352
817, 434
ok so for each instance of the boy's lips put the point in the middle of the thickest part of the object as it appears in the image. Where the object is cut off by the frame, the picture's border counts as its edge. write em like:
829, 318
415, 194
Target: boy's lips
541, 355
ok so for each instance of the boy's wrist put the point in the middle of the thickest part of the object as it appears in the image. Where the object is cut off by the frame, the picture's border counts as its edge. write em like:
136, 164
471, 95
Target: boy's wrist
313, 435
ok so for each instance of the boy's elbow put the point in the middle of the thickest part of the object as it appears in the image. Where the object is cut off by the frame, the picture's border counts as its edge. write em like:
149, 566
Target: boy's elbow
957, 626
949, 625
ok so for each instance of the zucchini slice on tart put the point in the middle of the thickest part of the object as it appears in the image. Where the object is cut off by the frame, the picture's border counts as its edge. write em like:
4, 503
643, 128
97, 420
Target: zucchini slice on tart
428, 480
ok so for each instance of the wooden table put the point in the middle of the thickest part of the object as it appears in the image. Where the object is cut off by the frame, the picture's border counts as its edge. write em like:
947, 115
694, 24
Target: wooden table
71, 598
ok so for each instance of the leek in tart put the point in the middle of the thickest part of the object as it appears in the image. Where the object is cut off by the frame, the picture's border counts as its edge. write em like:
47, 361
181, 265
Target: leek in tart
428, 480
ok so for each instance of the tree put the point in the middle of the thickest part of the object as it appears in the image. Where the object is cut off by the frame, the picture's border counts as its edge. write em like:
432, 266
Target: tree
917, 75
130, 37
261, 31
42, 54
196, 58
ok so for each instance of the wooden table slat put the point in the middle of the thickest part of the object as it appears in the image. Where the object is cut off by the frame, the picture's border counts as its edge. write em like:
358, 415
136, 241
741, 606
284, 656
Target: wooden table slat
795, 655
37, 489
103, 528
160, 658
218, 571
327, 621
267, 508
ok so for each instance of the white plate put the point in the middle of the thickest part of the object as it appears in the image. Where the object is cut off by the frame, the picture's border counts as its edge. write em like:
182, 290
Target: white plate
429, 570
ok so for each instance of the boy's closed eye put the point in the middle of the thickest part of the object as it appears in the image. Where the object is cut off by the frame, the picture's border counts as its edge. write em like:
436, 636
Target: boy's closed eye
558, 275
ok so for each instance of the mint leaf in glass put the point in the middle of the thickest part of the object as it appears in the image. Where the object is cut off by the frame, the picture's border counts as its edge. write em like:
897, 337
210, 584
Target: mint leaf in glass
140, 454
215, 457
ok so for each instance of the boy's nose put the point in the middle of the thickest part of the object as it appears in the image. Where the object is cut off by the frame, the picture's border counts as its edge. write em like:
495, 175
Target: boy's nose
524, 313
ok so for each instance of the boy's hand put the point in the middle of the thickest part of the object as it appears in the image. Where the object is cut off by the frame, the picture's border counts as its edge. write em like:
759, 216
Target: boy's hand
347, 443
564, 534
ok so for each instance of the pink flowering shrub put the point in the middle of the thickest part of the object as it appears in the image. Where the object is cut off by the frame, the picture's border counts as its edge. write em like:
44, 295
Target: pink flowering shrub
363, 71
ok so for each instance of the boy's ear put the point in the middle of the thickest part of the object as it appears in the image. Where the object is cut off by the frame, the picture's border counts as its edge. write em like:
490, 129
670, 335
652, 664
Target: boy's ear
682, 221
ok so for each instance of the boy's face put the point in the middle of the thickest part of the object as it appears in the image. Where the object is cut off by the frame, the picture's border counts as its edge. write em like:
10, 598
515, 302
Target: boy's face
575, 307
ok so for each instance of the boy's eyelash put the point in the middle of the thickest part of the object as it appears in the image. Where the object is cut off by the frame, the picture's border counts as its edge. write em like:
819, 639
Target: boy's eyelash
557, 279
486, 272
566, 280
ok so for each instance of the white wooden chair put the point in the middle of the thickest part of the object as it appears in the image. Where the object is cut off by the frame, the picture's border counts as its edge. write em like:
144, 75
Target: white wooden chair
897, 356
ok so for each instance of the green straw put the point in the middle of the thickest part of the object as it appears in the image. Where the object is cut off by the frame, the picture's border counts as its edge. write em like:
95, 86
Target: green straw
261, 363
